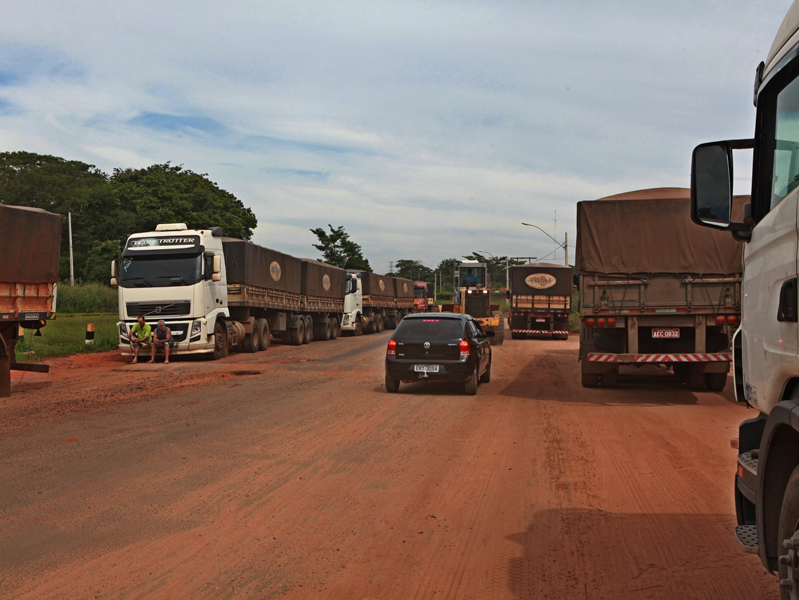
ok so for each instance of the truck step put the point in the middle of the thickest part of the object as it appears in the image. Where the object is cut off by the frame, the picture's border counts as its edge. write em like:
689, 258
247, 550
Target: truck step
748, 462
746, 536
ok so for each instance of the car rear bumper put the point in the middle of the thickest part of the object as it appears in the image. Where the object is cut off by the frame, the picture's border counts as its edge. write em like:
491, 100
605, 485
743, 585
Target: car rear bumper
448, 370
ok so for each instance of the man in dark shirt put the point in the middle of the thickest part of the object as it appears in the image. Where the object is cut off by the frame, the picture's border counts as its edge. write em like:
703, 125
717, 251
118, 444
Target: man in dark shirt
162, 338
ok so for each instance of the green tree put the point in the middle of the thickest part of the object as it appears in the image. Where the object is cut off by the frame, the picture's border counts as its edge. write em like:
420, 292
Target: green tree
339, 250
413, 269
446, 271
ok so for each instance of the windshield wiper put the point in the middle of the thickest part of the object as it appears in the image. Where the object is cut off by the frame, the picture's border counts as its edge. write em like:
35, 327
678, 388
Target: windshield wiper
142, 279
174, 277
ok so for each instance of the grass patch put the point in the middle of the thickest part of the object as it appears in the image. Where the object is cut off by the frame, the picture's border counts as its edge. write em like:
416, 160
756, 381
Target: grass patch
66, 335
86, 298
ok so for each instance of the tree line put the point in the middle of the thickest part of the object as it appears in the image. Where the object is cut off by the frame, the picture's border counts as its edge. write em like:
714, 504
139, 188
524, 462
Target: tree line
107, 208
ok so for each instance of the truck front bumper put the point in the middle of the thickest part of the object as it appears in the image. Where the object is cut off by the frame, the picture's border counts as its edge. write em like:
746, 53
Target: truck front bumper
191, 337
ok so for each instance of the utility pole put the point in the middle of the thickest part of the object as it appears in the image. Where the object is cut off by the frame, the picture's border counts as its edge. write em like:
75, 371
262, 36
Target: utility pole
71, 267
507, 273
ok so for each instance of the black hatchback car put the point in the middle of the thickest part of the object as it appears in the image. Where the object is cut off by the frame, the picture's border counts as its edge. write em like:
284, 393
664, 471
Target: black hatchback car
439, 347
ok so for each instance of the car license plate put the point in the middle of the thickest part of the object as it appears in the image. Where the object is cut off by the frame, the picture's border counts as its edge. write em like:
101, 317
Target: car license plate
425, 368
665, 333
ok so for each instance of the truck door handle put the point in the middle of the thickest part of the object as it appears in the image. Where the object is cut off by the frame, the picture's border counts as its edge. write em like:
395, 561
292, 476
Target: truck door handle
788, 307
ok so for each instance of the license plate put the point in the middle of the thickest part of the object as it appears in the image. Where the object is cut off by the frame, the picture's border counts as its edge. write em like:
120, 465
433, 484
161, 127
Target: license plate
665, 333
540, 320
425, 368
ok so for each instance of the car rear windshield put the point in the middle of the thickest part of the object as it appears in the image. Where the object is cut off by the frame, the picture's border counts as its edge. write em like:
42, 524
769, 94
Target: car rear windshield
429, 328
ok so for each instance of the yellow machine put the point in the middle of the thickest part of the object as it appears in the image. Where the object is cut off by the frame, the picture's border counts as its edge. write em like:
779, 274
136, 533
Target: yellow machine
471, 296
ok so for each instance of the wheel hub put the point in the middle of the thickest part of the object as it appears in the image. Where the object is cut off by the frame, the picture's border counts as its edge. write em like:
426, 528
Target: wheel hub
789, 560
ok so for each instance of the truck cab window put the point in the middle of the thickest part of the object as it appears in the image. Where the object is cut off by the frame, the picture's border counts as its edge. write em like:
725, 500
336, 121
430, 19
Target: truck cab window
785, 171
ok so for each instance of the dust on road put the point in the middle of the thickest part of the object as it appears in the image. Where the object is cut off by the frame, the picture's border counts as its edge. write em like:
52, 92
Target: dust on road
291, 473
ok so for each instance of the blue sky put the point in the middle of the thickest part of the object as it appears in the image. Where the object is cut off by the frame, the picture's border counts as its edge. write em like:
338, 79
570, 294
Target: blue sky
428, 129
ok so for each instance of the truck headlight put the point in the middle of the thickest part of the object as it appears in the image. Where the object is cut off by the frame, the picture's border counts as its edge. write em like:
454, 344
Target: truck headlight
123, 329
195, 328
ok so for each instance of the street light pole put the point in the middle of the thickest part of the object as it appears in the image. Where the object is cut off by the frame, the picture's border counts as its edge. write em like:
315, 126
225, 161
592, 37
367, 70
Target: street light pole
564, 245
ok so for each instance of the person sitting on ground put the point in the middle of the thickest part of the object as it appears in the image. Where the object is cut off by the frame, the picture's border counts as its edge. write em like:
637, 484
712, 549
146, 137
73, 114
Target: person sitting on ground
162, 338
140, 335
469, 280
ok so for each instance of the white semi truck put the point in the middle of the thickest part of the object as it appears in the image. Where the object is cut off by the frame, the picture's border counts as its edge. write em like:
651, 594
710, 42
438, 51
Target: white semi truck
766, 347
375, 302
218, 293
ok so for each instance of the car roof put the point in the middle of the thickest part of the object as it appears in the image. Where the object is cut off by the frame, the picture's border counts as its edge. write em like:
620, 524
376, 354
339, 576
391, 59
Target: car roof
446, 315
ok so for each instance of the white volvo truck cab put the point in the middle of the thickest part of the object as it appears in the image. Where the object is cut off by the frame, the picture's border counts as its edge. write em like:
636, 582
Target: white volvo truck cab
766, 347
354, 320
177, 275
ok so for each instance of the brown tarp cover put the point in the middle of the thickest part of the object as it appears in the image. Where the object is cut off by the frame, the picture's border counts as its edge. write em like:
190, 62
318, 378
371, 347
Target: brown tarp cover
371, 284
650, 231
313, 275
403, 288
249, 264
30, 245
561, 273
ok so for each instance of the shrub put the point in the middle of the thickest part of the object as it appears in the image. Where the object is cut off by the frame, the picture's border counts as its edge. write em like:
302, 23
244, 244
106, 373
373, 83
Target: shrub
86, 298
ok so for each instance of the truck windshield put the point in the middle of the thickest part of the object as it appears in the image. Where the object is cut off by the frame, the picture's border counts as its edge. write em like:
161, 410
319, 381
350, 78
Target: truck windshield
419, 292
160, 271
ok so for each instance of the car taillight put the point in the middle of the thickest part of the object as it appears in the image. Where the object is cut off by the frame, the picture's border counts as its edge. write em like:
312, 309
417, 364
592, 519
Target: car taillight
732, 320
590, 322
466, 352
720, 320
392, 348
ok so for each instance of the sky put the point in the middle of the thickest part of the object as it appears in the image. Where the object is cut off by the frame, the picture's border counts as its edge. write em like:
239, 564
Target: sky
428, 129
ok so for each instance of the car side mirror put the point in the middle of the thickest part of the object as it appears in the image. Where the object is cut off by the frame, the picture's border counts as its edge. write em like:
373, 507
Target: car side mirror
711, 185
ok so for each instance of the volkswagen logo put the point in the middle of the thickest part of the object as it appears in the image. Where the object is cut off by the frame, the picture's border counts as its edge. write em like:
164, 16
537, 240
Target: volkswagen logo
427, 345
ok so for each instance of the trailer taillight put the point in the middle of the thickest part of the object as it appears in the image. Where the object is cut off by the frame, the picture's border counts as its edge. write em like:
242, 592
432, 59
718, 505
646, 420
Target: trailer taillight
720, 320
600, 322
392, 348
466, 352
611, 322
732, 320
590, 322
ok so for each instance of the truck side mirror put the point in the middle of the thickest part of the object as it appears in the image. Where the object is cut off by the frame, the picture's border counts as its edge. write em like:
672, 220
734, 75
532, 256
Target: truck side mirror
711, 184
114, 281
507, 294
217, 274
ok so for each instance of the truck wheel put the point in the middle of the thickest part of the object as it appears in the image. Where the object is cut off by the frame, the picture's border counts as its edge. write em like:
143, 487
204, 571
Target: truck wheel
262, 325
325, 330
715, 381
789, 529
696, 377
486, 377
470, 387
590, 380
251, 341
610, 379
297, 334
392, 385
379, 323
370, 326
220, 340
334, 328
308, 337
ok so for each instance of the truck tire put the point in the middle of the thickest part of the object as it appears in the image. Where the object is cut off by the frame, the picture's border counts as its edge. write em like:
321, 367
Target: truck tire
334, 328
470, 387
610, 379
380, 323
249, 344
392, 385
262, 325
369, 327
715, 381
220, 340
308, 337
325, 330
608, 342
297, 334
695, 379
788, 527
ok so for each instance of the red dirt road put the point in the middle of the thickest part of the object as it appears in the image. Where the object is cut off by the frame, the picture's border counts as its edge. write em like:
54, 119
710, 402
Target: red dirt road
293, 474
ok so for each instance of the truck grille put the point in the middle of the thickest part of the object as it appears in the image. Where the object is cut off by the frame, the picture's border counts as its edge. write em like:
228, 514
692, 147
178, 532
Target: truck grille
158, 309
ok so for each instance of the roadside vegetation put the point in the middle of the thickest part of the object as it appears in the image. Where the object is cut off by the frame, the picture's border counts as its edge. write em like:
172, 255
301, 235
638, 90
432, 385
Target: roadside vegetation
85, 298
65, 335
